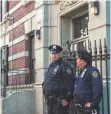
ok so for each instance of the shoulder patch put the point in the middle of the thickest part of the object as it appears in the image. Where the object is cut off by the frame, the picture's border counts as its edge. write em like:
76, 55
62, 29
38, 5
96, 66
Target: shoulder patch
95, 74
69, 71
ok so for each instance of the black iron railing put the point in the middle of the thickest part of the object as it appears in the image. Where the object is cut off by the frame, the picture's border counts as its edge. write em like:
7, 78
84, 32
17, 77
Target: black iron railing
18, 80
100, 59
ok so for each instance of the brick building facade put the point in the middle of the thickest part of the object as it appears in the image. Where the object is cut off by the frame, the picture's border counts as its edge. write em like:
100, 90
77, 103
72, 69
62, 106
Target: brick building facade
15, 33
17, 43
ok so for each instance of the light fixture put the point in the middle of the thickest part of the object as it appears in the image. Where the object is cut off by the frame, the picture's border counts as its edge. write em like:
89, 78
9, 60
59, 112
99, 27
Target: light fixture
95, 7
37, 34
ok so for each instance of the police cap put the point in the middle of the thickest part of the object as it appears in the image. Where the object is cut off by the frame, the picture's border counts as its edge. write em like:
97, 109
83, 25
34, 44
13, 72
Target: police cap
55, 49
85, 55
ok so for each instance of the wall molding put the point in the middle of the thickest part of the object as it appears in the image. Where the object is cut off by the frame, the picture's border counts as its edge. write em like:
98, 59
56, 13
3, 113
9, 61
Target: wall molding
18, 71
19, 39
15, 7
18, 55
19, 22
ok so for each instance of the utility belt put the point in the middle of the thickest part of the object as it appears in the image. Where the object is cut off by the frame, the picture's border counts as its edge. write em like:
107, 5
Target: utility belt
82, 99
85, 110
53, 99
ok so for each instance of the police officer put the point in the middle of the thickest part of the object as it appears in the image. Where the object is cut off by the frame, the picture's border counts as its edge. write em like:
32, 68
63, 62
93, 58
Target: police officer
58, 83
88, 85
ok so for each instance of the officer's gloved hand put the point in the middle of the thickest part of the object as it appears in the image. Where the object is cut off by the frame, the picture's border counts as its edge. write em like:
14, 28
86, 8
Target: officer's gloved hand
64, 102
87, 109
88, 105
46, 101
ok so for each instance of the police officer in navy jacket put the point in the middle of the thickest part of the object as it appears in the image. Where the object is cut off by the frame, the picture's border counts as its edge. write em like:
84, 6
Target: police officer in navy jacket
88, 85
58, 83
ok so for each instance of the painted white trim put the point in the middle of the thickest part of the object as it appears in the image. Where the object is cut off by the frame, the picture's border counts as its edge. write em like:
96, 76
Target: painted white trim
19, 22
18, 71
16, 7
25, 3
19, 39
38, 85
77, 5
25, 18
18, 55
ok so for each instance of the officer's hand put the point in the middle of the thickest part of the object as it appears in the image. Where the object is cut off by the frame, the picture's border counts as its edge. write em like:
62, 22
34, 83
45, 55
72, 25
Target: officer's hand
88, 105
64, 102
44, 100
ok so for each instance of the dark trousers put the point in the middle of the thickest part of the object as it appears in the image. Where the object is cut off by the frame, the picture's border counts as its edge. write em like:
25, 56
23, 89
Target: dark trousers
53, 108
78, 108
78, 111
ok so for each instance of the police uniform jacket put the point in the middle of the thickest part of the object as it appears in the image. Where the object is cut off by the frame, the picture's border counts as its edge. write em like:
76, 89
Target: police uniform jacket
59, 80
88, 86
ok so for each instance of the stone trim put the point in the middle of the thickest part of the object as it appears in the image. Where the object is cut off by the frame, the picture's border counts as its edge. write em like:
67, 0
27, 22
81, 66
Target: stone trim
18, 71
19, 39
18, 55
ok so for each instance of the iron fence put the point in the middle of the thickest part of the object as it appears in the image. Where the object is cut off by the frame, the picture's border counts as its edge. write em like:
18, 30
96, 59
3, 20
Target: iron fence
100, 59
18, 80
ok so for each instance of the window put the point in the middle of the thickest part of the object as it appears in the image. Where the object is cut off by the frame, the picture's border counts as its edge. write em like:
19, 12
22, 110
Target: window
31, 58
80, 30
80, 26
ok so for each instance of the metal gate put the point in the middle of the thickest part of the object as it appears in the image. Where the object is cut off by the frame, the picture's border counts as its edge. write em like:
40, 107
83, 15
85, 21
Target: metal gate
13, 80
3, 69
100, 59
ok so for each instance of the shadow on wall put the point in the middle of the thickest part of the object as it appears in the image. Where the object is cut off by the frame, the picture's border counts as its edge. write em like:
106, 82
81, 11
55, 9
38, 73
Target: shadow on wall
20, 103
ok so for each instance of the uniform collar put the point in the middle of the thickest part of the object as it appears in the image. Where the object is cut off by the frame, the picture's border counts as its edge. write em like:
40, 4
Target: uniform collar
58, 61
86, 67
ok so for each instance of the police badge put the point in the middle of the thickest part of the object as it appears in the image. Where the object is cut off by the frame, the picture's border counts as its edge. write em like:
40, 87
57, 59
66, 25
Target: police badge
56, 69
54, 47
68, 70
